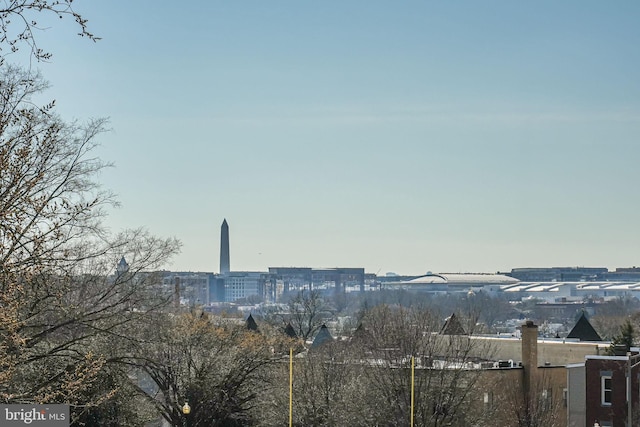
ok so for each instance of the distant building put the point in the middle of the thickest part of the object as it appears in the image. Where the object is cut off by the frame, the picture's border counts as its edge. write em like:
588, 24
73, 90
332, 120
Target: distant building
290, 278
338, 278
242, 284
556, 285
629, 274
453, 283
558, 312
190, 288
574, 291
298, 278
122, 267
559, 274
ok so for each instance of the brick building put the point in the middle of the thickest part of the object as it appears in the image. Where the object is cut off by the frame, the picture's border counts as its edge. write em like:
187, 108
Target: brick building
612, 390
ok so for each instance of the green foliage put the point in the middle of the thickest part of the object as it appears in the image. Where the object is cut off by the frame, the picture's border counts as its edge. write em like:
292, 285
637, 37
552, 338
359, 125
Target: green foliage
624, 339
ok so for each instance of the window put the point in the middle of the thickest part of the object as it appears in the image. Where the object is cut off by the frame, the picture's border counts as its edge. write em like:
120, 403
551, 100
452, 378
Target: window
605, 390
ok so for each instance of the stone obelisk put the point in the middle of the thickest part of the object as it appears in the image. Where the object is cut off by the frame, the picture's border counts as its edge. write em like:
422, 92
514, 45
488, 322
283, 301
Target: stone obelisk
224, 248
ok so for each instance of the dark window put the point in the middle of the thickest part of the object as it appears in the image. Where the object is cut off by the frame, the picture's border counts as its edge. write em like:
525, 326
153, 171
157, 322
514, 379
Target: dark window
606, 389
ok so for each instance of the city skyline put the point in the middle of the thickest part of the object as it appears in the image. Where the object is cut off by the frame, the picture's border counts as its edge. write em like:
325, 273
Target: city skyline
402, 138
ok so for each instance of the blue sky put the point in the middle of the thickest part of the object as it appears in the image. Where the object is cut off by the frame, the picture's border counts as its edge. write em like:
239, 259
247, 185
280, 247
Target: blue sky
406, 136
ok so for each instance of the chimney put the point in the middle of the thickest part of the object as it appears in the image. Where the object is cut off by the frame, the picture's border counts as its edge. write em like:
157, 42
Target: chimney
529, 354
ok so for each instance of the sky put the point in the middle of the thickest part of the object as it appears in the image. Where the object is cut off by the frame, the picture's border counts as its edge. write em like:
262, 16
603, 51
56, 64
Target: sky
405, 136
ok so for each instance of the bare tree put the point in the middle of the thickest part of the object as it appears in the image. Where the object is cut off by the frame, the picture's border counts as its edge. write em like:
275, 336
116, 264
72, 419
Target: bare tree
537, 407
218, 367
444, 374
305, 313
19, 24
62, 306
328, 388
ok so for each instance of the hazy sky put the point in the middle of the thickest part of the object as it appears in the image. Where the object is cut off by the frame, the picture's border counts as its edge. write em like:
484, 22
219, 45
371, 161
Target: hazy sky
405, 136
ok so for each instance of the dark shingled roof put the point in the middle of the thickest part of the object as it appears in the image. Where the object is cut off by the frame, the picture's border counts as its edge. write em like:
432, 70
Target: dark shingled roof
583, 330
290, 331
251, 324
452, 326
322, 337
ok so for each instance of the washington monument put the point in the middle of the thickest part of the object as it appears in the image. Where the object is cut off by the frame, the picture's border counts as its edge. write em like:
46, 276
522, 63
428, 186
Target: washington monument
224, 248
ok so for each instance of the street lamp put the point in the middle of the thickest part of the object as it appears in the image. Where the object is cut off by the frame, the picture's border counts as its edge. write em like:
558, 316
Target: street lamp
186, 410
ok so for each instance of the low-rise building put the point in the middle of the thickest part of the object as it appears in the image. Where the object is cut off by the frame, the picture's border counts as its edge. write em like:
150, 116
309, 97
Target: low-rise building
605, 389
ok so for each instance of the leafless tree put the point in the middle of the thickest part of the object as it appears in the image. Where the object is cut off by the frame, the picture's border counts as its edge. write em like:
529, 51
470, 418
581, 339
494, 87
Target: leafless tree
305, 313
537, 407
62, 306
328, 388
366, 380
218, 367
444, 368
19, 24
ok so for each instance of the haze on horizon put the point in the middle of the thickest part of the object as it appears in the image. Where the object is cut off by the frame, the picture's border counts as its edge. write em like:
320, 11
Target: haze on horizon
401, 137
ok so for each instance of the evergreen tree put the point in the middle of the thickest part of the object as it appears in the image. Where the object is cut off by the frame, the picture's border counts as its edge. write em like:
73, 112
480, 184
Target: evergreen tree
624, 339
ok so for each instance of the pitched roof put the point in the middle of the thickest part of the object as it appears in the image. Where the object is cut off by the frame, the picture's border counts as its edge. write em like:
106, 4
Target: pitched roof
290, 331
323, 336
583, 330
251, 324
452, 326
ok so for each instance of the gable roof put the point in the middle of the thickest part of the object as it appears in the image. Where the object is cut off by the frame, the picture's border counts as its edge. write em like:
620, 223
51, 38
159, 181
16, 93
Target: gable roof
452, 326
583, 330
322, 337
251, 324
289, 331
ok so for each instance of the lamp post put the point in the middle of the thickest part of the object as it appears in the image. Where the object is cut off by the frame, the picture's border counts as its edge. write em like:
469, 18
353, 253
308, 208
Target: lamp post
186, 410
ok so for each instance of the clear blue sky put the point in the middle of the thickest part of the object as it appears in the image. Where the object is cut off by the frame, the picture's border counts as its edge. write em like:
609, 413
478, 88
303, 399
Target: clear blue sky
406, 136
